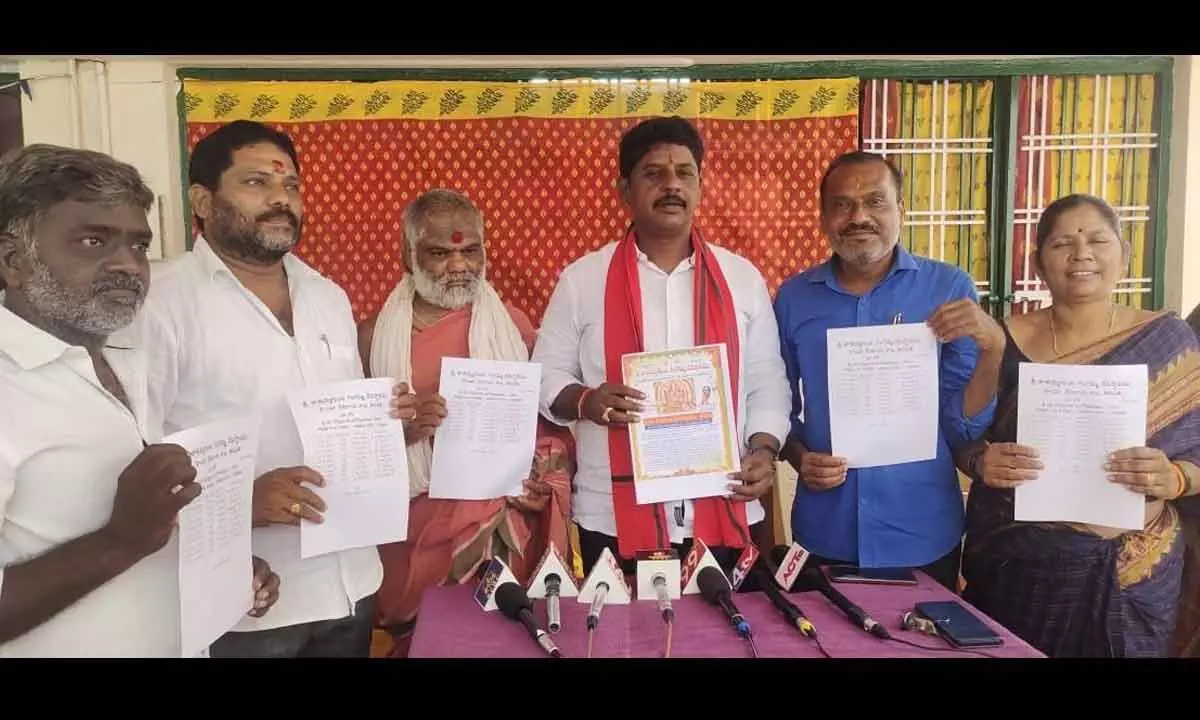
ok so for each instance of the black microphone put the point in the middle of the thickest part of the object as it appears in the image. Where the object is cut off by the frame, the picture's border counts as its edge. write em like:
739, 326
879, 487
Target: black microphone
717, 591
857, 615
814, 579
553, 619
795, 616
514, 603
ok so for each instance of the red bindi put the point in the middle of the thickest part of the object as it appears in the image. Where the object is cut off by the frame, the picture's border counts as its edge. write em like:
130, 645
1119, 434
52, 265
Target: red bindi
278, 165
456, 237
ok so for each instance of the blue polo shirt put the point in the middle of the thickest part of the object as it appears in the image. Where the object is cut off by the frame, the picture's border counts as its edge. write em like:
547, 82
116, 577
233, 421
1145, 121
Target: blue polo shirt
901, 515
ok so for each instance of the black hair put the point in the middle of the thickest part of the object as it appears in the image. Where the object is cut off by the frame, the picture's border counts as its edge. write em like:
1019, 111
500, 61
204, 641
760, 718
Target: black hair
213, 155
862, 157
638, 140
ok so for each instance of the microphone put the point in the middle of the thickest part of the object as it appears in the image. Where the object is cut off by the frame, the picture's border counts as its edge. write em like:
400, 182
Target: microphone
795, 616
857, 615
716, 591
553, 619
664, 597
593, 617
514, 603
814, 579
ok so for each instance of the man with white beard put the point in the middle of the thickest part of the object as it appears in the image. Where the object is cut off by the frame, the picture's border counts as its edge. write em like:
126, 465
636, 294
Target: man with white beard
236, 324
89, 498
445, 307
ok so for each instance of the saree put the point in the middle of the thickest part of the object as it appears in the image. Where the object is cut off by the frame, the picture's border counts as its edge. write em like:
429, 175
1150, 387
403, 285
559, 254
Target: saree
1061, 588
449, 541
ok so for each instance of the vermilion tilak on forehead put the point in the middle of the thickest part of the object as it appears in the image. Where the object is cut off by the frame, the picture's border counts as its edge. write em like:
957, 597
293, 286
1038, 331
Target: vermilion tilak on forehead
278, 165
456, 237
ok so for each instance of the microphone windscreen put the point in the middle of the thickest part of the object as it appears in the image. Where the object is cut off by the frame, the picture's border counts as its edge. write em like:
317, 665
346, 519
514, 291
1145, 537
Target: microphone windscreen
553, 581
511, 600
712, 583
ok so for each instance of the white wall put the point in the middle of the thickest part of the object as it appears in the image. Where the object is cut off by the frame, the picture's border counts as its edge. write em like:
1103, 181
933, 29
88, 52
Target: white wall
126, 106
122, 107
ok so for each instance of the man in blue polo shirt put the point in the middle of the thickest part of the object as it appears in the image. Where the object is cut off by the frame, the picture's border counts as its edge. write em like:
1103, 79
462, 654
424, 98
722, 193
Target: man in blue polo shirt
908, 515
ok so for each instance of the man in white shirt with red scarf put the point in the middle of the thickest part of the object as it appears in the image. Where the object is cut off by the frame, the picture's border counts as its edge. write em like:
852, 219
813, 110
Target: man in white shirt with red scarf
661, 287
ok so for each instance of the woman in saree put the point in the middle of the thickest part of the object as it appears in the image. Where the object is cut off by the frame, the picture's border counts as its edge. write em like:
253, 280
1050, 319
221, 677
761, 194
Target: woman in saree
1187, 625
1070, 589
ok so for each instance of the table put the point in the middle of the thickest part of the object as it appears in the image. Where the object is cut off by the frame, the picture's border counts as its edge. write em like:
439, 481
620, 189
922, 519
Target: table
451, 625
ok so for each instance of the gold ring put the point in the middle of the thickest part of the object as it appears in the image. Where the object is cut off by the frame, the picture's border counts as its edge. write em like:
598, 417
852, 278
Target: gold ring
295, 509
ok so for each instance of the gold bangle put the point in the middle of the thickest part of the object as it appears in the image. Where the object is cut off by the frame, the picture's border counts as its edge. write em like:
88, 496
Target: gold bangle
1181, 481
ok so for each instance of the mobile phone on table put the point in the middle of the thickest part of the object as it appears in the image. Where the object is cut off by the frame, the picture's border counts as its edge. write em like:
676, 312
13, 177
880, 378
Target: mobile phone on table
875, 576
958, 625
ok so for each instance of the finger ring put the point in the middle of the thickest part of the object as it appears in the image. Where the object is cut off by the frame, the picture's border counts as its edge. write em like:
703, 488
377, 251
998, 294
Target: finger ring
606, 413
295, 509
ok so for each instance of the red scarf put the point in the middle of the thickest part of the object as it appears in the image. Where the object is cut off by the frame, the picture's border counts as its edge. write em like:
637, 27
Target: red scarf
718, 521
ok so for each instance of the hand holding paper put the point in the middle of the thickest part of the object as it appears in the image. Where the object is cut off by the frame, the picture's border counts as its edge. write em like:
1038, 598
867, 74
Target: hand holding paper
280, 497
1007, 465
266, 588
1143, 470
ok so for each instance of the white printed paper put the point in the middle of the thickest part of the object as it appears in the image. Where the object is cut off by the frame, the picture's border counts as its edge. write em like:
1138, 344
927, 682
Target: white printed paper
216, 570
883, 394
353, 442
1074, 416
483, 449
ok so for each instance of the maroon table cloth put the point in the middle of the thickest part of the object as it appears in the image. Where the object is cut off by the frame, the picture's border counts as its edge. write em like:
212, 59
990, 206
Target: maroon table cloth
452, 625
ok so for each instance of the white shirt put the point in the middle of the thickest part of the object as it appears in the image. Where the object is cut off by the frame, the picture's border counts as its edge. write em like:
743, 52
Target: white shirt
64, 442
570, 347
215, 350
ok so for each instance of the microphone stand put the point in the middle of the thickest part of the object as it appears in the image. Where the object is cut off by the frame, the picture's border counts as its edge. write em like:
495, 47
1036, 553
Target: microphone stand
664, 604
593, 617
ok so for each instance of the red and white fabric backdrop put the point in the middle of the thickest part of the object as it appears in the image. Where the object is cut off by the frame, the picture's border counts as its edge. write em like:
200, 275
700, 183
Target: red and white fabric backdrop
540, 159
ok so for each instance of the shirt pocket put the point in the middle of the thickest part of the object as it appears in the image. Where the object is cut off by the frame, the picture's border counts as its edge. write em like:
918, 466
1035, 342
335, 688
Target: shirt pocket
334, 360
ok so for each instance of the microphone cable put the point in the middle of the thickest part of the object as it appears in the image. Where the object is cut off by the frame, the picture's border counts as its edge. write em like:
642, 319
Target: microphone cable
919, 646
821, 646
667, 648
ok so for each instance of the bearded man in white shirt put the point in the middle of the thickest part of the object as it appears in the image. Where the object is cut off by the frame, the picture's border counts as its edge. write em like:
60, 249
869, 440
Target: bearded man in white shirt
661, 287
238, 323
88, 499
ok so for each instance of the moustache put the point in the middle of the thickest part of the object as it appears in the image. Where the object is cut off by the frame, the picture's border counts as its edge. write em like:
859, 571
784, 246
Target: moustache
850, 229
670, 200
120, 282
279, 215
463, 279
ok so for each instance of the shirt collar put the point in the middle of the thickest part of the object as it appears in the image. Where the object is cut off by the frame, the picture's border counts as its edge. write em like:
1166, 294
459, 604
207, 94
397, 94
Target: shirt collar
824, 273
213, 265
688, 262
28, 345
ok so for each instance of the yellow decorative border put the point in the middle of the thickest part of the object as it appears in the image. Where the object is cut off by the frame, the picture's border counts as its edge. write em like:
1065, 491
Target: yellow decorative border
287, 102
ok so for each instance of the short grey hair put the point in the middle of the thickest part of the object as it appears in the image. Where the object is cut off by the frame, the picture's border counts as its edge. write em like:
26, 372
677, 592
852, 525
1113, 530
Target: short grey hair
36, 178
434, 202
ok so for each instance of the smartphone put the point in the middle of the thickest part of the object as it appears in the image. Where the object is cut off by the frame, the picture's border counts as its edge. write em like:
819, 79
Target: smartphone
875, 576
958, 625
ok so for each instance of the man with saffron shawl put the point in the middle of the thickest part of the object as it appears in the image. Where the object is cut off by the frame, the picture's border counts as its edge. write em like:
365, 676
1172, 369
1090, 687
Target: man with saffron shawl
660, 287
445, 307
1069, 589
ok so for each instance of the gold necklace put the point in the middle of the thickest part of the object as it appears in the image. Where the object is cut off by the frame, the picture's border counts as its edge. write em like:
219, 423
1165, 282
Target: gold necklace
1112, 321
